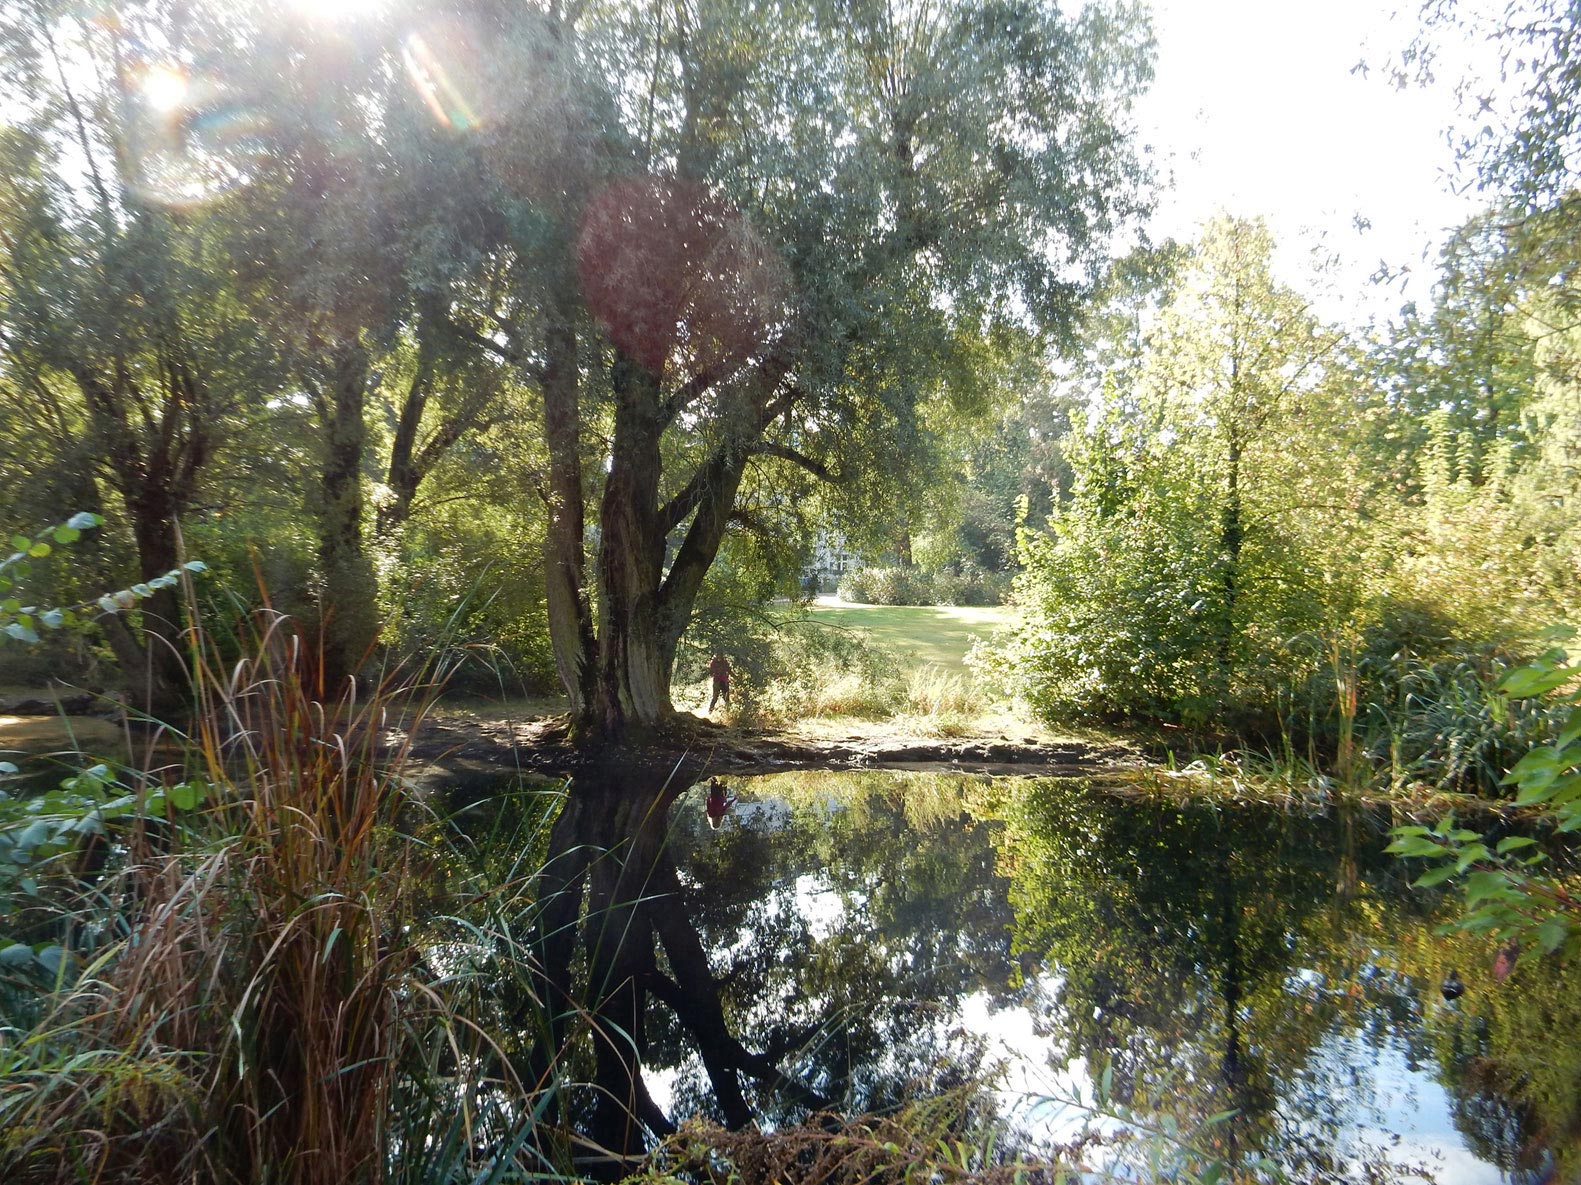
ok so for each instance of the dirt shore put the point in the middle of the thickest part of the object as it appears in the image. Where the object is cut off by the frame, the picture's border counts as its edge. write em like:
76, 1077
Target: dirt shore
472, 746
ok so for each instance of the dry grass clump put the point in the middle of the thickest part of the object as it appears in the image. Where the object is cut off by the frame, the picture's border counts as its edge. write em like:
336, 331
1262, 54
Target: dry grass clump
939, 702
831, 1150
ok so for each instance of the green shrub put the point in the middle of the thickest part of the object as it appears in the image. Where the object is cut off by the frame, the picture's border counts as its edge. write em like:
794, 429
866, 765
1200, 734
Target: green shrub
815, 671
1512, 891
969, 585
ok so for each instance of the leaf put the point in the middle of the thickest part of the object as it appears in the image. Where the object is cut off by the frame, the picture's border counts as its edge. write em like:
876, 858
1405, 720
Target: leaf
20, 543
7, 767
82, 520
39, 550
20, 632
185, 795
18, 954
1434, 876
108, 605
195, 566
52, 618
1511, 842
1526, 682
51, 958
65, 535
1552, 934
1487, 883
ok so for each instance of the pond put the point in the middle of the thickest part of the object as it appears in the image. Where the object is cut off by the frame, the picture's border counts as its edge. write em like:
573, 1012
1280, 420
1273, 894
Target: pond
1104, 963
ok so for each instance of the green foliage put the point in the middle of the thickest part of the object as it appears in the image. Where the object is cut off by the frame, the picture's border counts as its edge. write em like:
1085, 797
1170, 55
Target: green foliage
1511, 889
21, 622
1171, 582
965, 584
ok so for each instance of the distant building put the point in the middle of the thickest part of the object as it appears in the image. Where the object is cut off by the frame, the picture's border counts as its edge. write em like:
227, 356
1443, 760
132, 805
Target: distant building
831, 559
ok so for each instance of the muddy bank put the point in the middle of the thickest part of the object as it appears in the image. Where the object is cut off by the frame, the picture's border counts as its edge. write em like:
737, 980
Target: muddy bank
476, 748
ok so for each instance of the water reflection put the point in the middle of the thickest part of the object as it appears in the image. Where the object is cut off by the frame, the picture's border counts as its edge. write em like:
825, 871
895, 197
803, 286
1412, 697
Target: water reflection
890, 936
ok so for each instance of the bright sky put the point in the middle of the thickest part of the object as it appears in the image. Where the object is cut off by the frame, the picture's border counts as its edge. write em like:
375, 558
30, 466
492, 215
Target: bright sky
1256, 111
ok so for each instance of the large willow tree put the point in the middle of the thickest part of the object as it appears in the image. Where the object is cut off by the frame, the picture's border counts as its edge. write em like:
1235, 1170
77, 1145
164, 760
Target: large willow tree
812, 213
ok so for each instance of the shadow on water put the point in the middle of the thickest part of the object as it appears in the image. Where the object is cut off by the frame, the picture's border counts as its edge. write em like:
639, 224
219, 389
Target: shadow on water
1263, 982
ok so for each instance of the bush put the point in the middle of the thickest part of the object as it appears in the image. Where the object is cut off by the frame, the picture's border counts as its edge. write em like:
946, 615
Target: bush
969, 585
1418, 703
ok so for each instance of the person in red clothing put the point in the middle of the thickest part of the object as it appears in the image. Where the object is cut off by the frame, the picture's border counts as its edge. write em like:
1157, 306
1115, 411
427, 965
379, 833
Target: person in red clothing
718, 802
719, 670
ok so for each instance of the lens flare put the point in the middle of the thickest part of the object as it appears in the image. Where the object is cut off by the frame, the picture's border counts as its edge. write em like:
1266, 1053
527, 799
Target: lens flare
428, 74
164, 88
191, 136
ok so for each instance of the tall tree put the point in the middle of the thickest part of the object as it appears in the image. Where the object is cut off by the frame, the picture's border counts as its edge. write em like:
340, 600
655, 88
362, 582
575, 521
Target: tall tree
121, 326
818, 209
1186, 554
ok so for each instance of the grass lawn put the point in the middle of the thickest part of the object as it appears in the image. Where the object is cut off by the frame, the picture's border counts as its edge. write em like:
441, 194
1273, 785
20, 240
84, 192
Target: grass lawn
918, 635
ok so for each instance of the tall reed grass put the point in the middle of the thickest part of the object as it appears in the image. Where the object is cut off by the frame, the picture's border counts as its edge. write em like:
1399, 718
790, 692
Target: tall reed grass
287, 984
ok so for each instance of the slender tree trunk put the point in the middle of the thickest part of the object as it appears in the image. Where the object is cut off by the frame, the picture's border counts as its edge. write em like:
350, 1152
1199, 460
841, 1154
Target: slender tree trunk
405, 475
565, 551
1231, 538
349, 622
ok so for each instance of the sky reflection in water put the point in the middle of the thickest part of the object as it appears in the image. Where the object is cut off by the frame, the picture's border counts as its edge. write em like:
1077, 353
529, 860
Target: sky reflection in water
913, 931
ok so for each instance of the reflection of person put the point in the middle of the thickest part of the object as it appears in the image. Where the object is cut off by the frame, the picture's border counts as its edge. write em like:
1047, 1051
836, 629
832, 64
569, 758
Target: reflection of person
719, 670
718, 802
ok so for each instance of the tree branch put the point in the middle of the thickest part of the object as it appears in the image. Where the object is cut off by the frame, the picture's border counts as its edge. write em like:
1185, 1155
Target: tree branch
768, 448
510, 354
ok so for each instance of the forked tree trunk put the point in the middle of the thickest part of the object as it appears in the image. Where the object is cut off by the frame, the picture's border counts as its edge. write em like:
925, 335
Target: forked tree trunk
610, 887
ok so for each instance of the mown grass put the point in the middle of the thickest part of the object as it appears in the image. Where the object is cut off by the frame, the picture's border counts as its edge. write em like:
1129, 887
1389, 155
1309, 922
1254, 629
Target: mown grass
918, 635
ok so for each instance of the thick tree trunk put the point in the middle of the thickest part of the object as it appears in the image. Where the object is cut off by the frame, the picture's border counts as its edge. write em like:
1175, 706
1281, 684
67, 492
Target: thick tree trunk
609, 844
633, 674
349, 615
158, 682
153, 470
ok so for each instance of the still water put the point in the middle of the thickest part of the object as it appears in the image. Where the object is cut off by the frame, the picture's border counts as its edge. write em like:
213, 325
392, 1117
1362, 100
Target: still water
907, 934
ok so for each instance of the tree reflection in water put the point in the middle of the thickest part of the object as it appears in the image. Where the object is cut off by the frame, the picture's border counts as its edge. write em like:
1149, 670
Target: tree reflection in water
1241, 959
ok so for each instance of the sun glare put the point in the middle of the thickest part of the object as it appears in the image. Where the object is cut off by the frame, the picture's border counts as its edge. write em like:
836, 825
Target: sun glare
164, 88
338, 10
